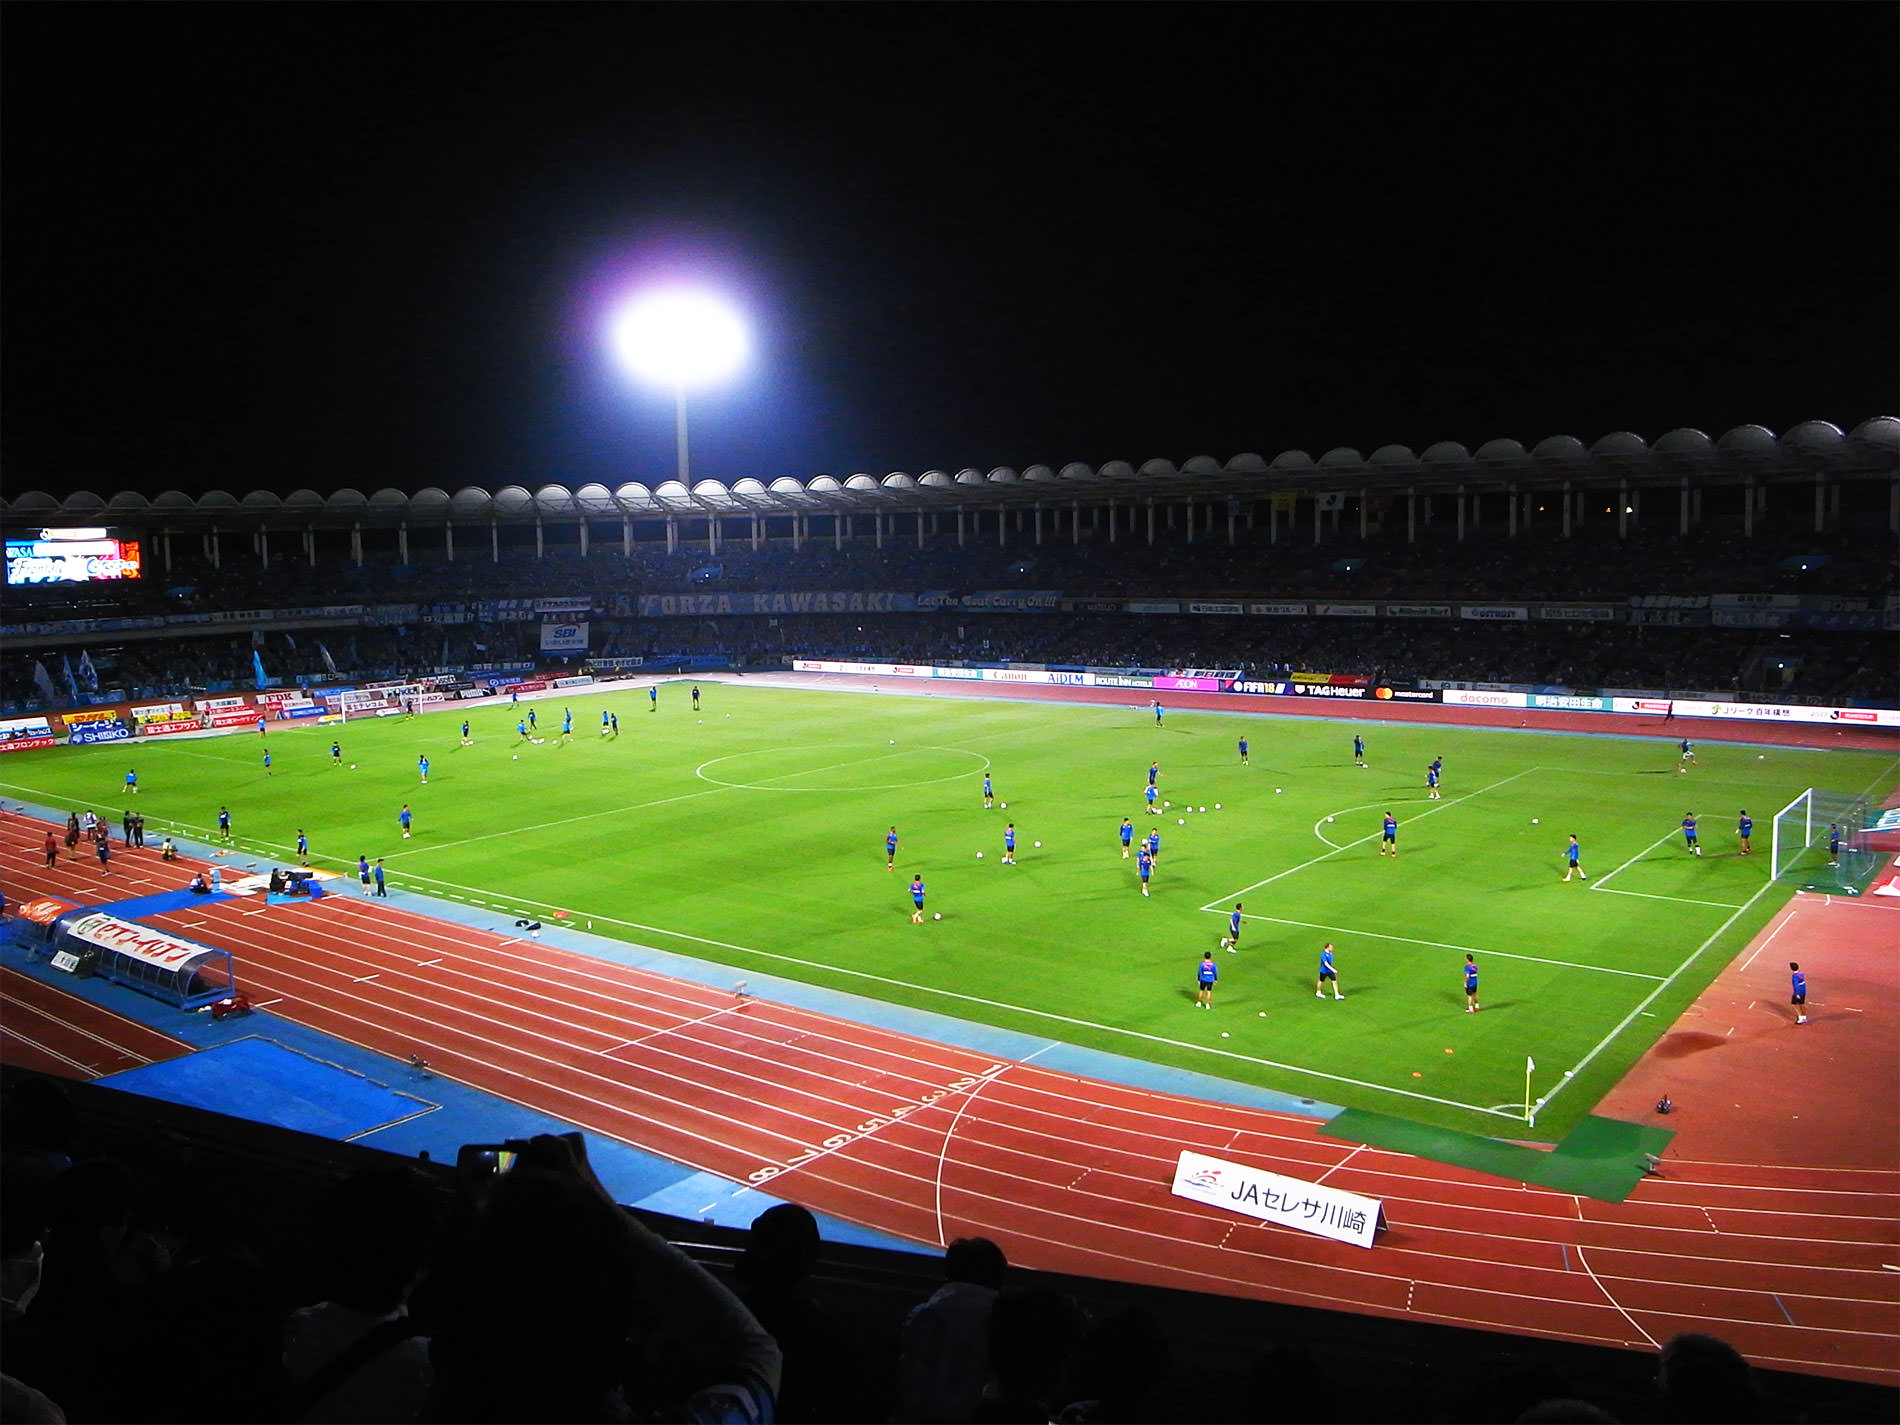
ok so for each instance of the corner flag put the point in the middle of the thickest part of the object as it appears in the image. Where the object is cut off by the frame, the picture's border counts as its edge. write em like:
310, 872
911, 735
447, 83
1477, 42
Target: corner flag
1530, 1067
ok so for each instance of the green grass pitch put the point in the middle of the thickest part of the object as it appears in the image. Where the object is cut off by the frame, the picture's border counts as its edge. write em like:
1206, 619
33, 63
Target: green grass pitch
752, 834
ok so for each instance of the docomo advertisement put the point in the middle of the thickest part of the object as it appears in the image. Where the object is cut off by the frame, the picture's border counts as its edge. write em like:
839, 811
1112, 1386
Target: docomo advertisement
111, 933
25, 733
1290, 1202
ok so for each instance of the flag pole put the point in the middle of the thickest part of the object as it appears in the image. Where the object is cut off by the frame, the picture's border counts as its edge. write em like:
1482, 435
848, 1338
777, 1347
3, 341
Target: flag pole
1530, 1064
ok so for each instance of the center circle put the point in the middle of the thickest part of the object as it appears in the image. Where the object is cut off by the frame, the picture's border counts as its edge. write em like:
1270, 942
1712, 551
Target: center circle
842, 767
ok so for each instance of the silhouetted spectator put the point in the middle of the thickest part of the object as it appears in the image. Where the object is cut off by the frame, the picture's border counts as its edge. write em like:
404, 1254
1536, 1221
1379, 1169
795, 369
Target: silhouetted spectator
539, 1296
1120, 1374
1566, 1412
226, 1298
1702, 1379
781, 1251
944, 1358
1033, 1335
39, 1139
1288, 1384
357, 1355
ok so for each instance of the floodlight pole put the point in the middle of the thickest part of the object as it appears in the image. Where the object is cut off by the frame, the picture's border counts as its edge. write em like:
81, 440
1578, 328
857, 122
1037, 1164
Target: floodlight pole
679, 410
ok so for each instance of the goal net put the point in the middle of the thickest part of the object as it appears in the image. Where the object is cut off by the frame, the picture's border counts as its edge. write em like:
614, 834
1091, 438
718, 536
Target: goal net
1820, 843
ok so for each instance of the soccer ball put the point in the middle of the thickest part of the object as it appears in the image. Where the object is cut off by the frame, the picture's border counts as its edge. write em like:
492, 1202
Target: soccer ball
1203, 808
1216, 806
514, 756
1278, 790
1038, 845
936, 915
1005, 806
979, 855
1167, 804
1329, 818
1533, 821
893, 742
1180, 821
352, 766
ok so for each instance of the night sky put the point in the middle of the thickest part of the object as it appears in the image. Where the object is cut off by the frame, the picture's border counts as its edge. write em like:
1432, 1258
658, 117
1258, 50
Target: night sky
274, 246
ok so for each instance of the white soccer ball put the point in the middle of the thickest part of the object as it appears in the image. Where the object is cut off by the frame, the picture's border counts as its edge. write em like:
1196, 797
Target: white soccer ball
1329, 818
1203, 808
1005, 806
1278, 790
936, 915
1038, 845
514, 756
1216, 806
979, 855
1225, 1035
1533, 821
1167, 804
893, 742
352, 766
1180, 821
1761, 757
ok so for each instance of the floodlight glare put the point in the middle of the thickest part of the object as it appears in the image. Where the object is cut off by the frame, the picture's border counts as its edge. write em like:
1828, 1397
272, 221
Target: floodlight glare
678, 339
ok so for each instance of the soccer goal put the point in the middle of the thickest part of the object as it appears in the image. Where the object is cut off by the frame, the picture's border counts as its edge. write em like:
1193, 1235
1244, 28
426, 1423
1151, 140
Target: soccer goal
1805, 836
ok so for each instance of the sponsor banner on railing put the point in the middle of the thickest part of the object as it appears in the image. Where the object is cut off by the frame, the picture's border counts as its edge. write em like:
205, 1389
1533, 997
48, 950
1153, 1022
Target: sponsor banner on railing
533, 685
158, 710
967, 675
1571, 702
1761, 712
1344, 680
1199, 608
1495, 613
1483, 698
1093, 606
229, 717
563, 606
279, 695
1577, 613
579, 680
297, 710
161, 727
23, 727
26, 744
1279, 610
1346, 610
1117, 680
219, 704
79, 715
614, 665
1290, 1202
129, 938
1152, 606
85, 733
1419, 611
1171, 683
564, 637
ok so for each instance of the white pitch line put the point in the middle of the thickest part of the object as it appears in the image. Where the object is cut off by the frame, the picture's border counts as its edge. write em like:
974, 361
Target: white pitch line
1673, 900
1217, 902
1602, 882
1793, 911
1650, 998
1445, 945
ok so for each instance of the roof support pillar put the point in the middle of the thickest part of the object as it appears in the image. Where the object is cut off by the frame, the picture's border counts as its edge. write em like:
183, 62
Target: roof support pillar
961, 534
1623, 510
1512, 497
1112, 519
1075, 522
626, 536
1273, 520
1190, 521
402, 542
1151, 524
1682, 518
1233, 523
1820, 501
1039, 524
1411, 516
758, 532
1365, 510
920, 529
1461, 514
1002, 525
672, 535
356, 545
712, 534
1748, 507
877, 528
494, 541
540, 539
1316, 518
1893, 507
583, 539
798, 532
448, 541
165, 548
263, 548
1567, 504
838, 517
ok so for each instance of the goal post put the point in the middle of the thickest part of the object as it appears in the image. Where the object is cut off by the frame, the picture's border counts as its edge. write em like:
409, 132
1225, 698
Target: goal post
1819, 842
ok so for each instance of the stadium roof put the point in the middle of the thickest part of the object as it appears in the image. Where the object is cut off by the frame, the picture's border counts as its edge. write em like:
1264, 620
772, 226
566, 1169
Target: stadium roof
1870, 451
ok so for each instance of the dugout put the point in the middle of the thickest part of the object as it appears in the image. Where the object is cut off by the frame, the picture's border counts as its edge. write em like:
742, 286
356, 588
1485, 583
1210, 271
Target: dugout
179, 972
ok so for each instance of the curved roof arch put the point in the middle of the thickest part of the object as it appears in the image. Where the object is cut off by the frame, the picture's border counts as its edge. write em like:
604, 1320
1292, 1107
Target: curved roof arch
1116, 470
1393, 455
1447, 452
1288, 461
1341, 457
1246, 463
1684, 440
1201, 465
1158, 469
1566, 449
1621, 444
1882, 432
1813, 435
1747, 440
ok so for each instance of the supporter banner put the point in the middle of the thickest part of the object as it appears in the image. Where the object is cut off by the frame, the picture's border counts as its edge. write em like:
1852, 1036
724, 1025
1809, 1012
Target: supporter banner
564, 637
1215, 608
1577, 613
1095, 606
1284, 610
229, 717
112, 730
1481, 698
1011, 600
158, 710
1346, 610
1419, 611
1150, 606
160, 727
563, 606
1290, 1202
613, 665
579, 680
19, 730
858, 601
220, 704
1499, 613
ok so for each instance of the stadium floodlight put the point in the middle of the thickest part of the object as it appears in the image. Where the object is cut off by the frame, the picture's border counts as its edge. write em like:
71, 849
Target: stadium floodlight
680, 339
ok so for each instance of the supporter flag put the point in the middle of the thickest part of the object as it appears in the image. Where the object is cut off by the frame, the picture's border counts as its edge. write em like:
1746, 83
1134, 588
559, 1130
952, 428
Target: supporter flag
66, 674
1334, 501
257, 667
43, 680
1284, 501
329, 663
291, 639
88, 675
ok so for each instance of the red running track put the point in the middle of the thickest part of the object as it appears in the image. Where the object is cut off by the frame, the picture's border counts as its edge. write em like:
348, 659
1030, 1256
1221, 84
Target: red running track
929, 1142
